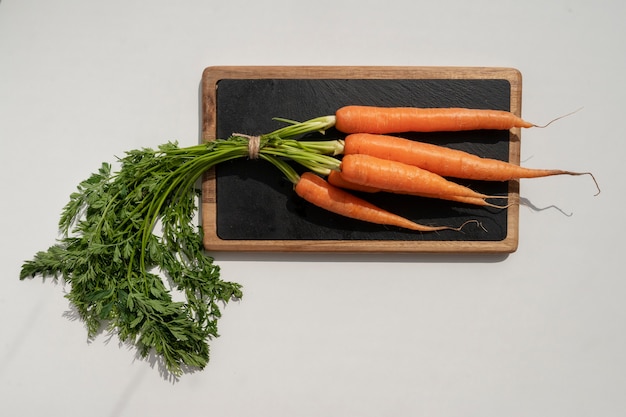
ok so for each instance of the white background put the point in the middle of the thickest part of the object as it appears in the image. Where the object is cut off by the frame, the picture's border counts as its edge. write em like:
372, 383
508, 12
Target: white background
538, 333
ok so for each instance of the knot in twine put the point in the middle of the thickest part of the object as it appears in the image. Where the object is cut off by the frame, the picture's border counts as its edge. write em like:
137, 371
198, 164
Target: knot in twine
254, 145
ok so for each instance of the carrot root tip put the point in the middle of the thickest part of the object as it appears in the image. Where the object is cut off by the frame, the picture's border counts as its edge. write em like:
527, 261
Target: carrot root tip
595, 182
461, 227
558, 118
592, 177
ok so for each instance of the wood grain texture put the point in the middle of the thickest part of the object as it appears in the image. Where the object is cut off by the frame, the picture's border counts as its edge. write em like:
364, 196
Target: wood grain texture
210, 79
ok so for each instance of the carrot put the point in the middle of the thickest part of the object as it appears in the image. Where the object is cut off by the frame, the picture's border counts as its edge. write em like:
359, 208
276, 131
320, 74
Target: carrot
445, 161
317, 191
336, 178
369, 119
397, 177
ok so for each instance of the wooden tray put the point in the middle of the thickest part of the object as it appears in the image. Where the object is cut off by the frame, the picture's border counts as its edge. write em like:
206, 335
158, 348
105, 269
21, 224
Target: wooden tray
248, 206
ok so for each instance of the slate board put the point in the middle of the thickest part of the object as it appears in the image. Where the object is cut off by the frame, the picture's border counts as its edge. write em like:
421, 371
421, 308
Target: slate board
249, 206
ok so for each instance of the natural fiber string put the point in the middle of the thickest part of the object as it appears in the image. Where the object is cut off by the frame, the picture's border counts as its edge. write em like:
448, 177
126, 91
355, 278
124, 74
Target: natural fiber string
254, 144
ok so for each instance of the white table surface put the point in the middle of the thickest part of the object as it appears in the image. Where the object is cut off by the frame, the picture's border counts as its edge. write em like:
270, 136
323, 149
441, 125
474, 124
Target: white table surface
538, 333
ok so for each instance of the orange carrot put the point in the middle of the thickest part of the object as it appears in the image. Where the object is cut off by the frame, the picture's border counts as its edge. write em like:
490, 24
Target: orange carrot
317, 191
369, 119
445, 161
336, 178
397, 177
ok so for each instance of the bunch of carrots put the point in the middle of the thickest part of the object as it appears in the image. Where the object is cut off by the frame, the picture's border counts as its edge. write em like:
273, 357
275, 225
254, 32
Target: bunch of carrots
375, 161
111, 254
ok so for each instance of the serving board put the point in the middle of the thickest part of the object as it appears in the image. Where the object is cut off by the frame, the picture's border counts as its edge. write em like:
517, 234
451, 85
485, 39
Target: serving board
247, 205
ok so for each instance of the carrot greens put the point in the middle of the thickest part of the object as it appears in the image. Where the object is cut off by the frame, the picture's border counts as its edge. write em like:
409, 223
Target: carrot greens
132, 252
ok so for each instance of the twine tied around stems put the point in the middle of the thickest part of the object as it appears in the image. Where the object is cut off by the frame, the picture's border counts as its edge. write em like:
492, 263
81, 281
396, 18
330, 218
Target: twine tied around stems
254, 144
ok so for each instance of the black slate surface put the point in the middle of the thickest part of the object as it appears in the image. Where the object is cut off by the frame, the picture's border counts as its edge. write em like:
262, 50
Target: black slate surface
254, 200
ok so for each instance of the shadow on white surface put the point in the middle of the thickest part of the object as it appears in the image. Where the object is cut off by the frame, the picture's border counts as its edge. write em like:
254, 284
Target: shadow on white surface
109, 336
527, 203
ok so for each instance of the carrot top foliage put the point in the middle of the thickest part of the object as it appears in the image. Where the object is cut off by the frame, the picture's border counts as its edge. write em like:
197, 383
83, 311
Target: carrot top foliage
129, 243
